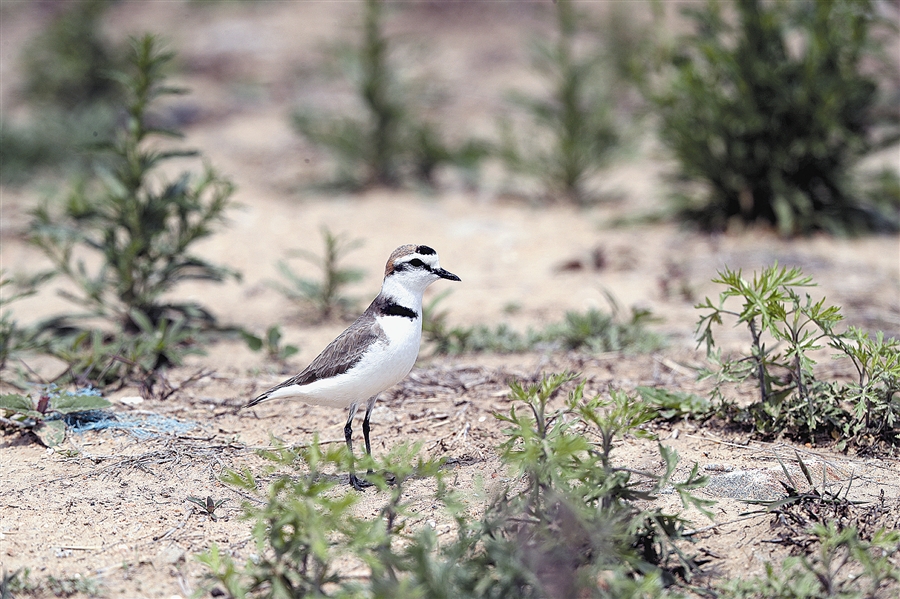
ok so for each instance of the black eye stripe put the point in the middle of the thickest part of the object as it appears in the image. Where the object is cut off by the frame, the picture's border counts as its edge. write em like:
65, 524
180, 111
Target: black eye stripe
413, 264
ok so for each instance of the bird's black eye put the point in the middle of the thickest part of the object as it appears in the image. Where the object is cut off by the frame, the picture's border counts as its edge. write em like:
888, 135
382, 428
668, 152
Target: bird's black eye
416, 262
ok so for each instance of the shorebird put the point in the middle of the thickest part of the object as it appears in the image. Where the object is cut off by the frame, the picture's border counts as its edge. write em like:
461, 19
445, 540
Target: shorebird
376, 351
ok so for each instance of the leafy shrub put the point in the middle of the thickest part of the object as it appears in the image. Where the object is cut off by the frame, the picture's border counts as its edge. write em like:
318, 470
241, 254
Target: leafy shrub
576, 121
676, 405
303, 526
775, 128
68, 64
66, 71
592, 331
568, 524
843, 567
14, 339
96, 357
21, 584
47, 419
791, 400
392, 143
326, 297
141, 229
275, 351
598, 331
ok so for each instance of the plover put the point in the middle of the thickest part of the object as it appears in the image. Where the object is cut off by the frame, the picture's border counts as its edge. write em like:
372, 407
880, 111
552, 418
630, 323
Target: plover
376, 351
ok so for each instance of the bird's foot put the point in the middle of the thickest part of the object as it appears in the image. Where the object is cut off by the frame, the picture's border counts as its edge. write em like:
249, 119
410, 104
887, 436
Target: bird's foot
359, 484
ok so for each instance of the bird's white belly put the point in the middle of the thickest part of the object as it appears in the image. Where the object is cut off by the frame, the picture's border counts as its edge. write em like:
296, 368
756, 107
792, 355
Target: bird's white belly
384, 365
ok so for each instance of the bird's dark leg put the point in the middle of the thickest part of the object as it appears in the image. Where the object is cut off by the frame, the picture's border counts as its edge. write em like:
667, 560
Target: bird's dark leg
371, 404
366, 429
356, 483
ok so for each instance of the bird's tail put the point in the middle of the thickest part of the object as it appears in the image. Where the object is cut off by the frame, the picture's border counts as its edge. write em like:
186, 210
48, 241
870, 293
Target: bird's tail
262, 398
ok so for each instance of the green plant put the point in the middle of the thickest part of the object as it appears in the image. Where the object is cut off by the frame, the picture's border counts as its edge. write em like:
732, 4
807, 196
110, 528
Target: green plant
391, 142
208, 505
576, 120
566, 525
875, 395
566, 455
271, 342
326, 297
303, 526
774, 111
784, 330
20, 584
143, 232
96, 357
676, 405
141, 228
598, 331
15, 340
66, 83
844, 567
592, 331
47, 419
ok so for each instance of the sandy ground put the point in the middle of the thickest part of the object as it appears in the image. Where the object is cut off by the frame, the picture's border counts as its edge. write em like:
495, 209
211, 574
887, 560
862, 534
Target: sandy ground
114, 507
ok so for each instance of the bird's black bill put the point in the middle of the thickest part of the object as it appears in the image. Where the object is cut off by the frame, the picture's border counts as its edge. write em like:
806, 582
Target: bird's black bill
446, 275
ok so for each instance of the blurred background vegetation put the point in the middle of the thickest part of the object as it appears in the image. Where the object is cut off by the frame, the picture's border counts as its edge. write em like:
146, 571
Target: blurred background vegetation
767, 107
768, 111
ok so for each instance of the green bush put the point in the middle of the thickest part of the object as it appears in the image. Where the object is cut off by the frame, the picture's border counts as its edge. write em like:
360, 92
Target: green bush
140, 226
68, 65
16, 340
391, 143
69, 90
576, 121
785, 329
21, 584
844, 566
567, 525
772, 113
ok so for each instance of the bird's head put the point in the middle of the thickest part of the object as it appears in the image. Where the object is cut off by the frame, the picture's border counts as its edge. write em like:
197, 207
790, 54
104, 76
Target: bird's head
415, 267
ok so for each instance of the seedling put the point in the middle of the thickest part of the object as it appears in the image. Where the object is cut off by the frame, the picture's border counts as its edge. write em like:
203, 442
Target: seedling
577, 118
325, 296
389, 142
271, 343
208, 505
676, 405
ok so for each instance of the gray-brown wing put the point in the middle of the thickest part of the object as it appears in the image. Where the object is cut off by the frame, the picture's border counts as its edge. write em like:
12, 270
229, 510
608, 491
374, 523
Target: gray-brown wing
341, 354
